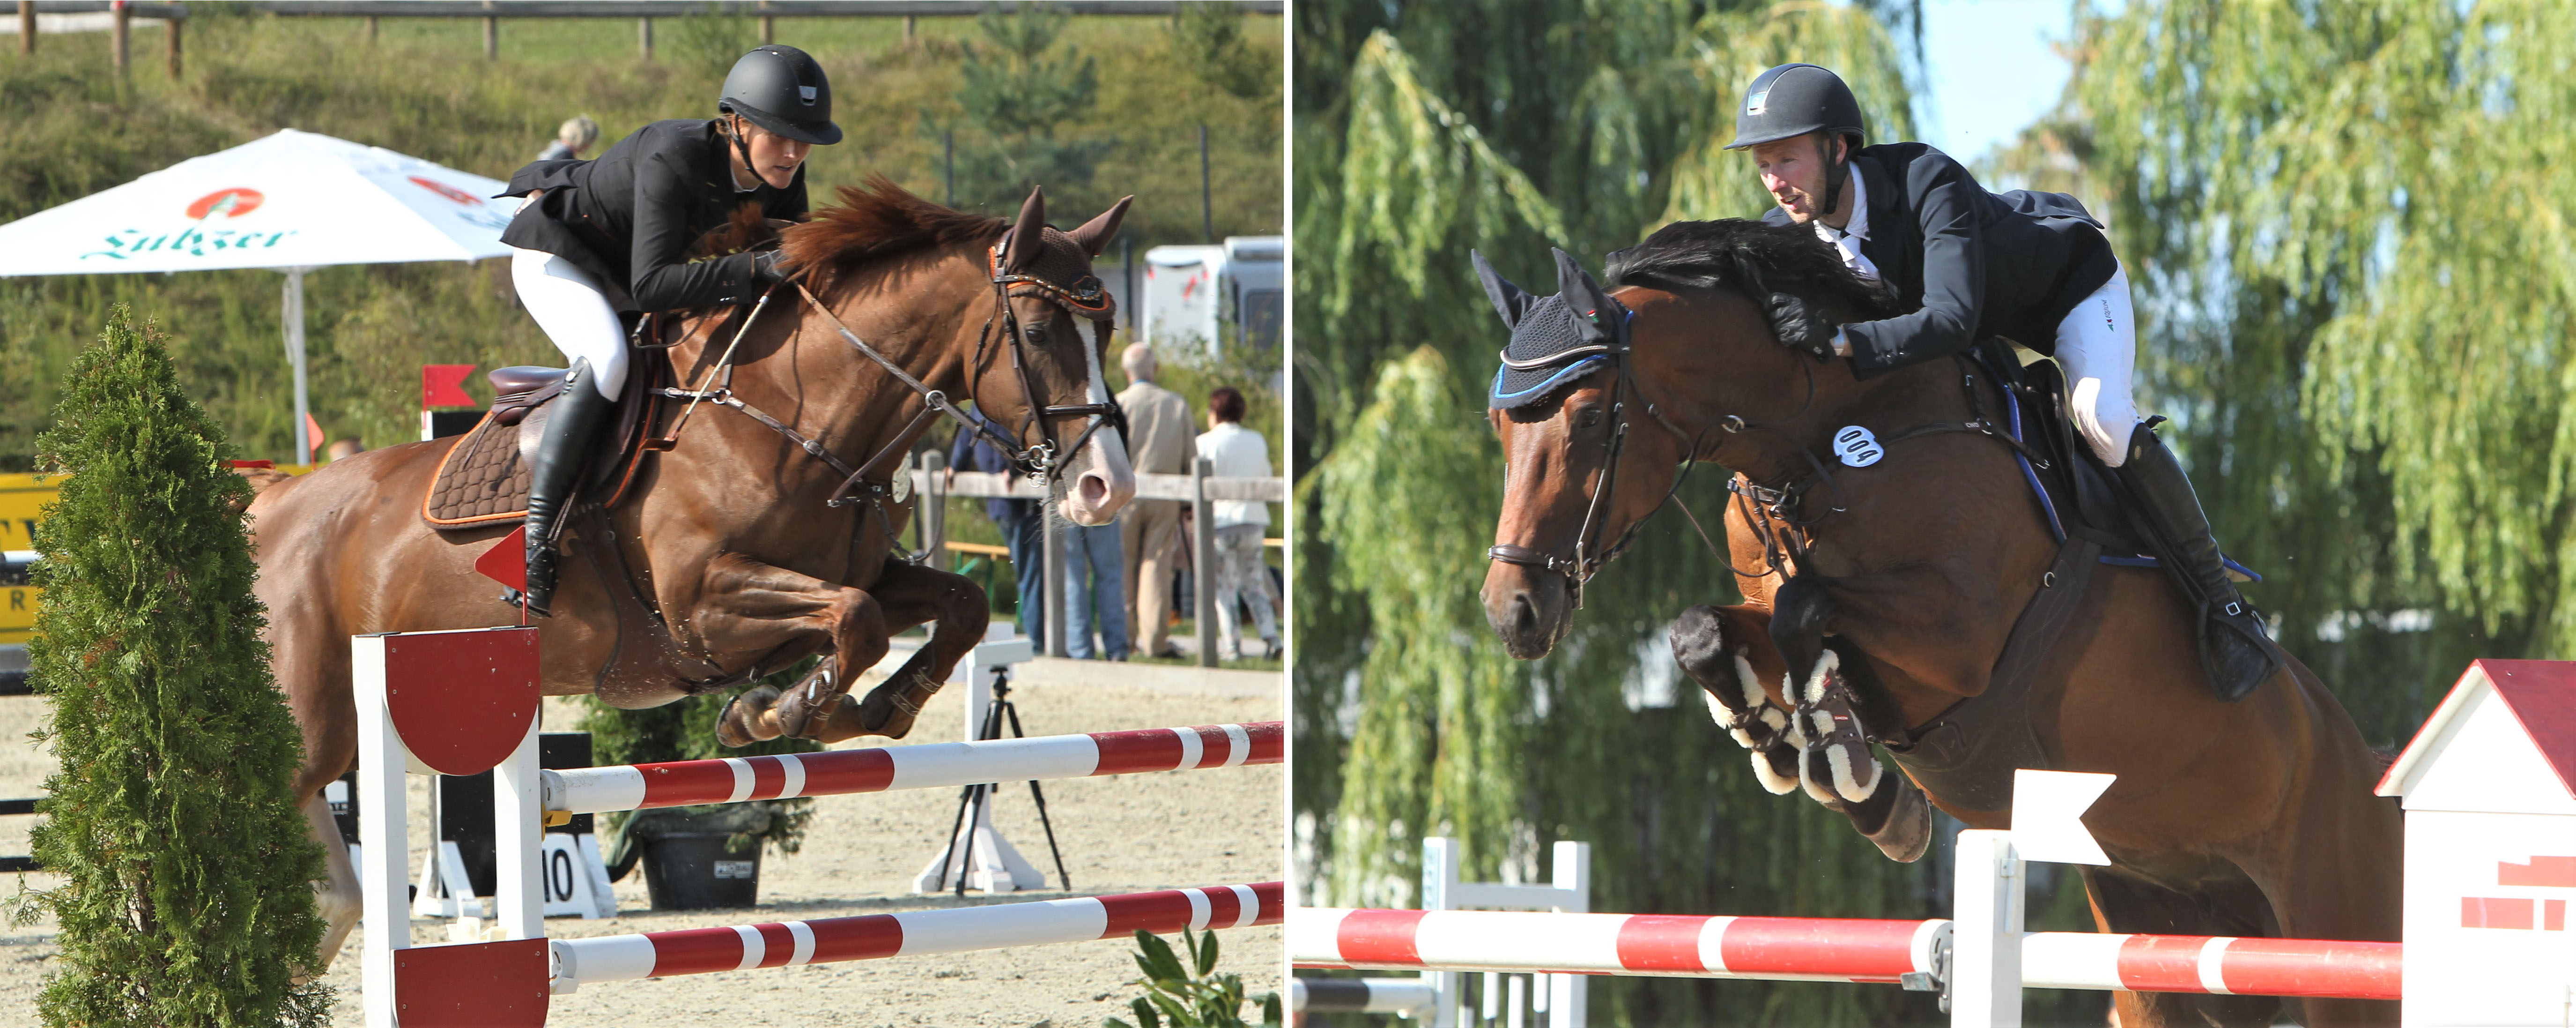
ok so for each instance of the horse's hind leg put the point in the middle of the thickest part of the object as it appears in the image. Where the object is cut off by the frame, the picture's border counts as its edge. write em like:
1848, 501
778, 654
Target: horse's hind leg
2336, 869
339, 902
2125, 904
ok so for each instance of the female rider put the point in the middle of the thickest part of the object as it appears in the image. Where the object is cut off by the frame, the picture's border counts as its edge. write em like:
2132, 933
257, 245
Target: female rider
1974, 265
601, 239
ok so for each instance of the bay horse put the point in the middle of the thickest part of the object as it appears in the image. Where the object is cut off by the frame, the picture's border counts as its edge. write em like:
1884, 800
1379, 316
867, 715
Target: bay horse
1884, 600
731, 535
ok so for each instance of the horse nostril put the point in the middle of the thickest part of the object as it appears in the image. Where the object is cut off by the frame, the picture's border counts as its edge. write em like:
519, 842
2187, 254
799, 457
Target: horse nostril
1524, 616
1095, 489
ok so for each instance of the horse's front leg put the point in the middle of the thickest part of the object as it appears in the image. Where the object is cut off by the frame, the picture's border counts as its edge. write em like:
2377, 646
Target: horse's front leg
1837, 766
748, 605
1728, 651
911, 595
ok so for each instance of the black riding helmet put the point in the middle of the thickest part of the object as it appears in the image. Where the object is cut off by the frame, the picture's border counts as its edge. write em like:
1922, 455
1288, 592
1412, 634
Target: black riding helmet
782, 89
1796, 99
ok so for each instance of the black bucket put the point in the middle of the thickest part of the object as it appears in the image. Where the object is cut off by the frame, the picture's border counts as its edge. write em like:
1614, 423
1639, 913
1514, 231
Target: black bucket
695, 871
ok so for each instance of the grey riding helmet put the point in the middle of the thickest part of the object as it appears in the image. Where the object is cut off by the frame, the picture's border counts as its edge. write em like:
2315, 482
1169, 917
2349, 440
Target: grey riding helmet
782, 89
1793, 100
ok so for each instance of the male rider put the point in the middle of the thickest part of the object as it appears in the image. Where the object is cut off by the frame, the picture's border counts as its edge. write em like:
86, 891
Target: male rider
1970, 265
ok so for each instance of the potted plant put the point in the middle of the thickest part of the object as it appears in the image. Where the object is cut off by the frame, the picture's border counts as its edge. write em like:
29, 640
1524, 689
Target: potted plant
702, 857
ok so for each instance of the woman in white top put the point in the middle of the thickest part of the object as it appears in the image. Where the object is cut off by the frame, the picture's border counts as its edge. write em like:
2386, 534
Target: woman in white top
1239, 452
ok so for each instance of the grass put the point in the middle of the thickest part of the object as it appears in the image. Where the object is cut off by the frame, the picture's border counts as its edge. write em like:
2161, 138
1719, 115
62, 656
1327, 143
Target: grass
423, 88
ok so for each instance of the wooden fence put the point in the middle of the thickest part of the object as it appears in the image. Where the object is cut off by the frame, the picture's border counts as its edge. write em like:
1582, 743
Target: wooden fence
491, 12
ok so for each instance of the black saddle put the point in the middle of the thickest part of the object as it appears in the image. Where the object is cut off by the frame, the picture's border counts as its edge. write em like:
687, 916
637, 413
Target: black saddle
2077, 495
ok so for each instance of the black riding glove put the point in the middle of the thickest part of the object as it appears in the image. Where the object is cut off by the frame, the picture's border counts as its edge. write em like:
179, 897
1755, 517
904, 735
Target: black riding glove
771, 266
1800, 326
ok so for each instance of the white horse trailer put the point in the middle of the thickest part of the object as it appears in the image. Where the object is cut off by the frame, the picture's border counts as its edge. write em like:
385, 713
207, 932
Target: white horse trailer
1200, 295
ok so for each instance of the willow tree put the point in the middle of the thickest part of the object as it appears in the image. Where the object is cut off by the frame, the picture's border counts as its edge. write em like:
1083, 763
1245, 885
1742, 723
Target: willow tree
2347, 224
1423, 131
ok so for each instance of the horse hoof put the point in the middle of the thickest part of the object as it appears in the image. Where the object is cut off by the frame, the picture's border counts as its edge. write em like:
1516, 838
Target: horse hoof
881, 715
1908, 831
740, 724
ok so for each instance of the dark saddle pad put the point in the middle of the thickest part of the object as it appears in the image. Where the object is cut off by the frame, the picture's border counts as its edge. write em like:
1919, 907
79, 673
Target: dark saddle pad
483, 482
2077, 495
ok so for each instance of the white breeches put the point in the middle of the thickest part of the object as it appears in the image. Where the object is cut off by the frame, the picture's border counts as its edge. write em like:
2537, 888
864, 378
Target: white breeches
2097, 344
568, 305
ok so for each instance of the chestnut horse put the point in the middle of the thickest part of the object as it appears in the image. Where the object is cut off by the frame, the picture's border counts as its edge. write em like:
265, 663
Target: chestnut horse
730, 535
2253, 818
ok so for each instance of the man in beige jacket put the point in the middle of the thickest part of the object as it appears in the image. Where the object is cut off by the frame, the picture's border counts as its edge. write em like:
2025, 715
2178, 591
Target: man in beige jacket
1160, 440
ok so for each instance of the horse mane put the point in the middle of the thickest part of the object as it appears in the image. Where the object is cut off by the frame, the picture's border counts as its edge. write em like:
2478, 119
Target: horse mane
1753, 258
875, 220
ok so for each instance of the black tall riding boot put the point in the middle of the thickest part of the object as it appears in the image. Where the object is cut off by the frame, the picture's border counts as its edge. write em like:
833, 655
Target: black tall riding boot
2233, 648
571, 426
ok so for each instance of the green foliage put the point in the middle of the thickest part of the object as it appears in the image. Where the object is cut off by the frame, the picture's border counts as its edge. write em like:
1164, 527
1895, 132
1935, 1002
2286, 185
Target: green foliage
1424, 131
188, 870
1209, 37
2340, 220
424, 89
1017, 93
1190, 997
707, 42
686, 730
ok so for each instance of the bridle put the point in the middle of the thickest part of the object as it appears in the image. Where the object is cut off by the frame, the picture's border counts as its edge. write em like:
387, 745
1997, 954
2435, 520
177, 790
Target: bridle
1086, 298
862, 484
1589, 557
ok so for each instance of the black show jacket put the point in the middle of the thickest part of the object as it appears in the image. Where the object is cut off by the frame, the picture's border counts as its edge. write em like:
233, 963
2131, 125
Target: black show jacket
630, 216
1969, 264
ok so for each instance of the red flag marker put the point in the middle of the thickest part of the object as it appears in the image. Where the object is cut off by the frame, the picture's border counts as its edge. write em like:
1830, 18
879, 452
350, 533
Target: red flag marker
443, 385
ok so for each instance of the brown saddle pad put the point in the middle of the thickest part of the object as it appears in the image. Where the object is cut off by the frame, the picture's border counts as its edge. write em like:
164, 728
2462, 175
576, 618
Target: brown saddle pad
483, 481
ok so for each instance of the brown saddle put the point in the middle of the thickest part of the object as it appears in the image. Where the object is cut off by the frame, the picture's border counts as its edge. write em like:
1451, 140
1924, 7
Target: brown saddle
483, 481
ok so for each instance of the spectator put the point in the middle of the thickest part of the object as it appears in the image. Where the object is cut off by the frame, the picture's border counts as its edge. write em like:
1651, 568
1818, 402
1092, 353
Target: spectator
343, 448
574, 137
1241, 575
1095, 594
1158, 442
1019, 520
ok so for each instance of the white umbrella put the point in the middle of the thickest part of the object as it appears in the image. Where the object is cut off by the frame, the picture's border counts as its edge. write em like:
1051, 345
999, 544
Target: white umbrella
292, 202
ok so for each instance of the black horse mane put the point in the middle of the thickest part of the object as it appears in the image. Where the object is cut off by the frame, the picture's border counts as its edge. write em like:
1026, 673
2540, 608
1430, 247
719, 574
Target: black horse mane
1753, 258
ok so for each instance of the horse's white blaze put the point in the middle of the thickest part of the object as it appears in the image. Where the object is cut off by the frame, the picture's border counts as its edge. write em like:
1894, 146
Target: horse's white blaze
1102, 466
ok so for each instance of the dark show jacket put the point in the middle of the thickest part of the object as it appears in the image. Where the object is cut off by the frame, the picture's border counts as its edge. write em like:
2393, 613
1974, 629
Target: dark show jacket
630, 216
1969, 264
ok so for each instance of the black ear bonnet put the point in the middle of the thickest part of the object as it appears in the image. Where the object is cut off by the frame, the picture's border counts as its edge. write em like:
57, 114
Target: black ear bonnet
1555, 339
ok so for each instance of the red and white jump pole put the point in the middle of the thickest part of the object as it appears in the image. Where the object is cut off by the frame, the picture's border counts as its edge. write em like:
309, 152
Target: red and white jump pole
876, 936
1981, 961
1774, 948
684, 783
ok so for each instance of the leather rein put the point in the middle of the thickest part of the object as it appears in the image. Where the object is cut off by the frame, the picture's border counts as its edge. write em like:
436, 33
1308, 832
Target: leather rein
1772, 511
1039, 461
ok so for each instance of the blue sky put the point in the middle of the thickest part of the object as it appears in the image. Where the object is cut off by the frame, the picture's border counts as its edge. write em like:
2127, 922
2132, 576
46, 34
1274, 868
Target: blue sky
1993, 70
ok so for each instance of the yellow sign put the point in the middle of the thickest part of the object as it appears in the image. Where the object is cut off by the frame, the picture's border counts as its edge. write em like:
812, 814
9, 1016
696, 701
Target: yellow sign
22, 502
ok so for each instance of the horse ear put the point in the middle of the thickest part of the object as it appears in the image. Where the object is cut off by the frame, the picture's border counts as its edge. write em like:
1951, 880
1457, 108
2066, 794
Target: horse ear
1094, 235
1509, 300
1590, 303
1026, 233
